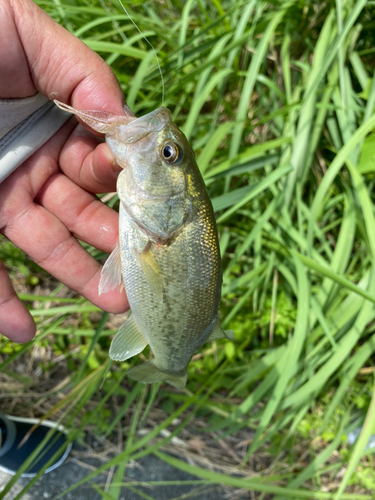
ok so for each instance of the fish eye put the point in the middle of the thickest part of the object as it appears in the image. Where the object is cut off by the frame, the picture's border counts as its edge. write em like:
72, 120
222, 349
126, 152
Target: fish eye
171, 152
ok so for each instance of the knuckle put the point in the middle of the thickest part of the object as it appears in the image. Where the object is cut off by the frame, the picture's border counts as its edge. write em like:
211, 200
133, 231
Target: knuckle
60, 252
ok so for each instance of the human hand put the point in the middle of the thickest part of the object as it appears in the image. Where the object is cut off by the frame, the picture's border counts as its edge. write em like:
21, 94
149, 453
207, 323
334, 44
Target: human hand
48, 199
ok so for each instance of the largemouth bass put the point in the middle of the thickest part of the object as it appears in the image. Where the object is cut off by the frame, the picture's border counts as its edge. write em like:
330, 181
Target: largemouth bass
168, 254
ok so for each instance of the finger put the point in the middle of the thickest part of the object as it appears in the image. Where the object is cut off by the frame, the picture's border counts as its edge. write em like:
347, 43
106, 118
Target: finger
49, 243
81, 212
15, 78
61, 63
89, 162
16, 322
27, 180
39, 233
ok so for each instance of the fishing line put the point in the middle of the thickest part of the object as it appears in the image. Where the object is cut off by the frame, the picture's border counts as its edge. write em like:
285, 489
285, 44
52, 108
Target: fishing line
114, 22
152, 47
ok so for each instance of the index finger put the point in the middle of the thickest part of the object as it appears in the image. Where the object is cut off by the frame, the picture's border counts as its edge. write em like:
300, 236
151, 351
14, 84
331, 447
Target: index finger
50, 244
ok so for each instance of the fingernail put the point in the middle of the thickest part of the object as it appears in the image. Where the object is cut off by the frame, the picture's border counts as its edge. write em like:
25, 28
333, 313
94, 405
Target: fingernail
116, 167
111, 158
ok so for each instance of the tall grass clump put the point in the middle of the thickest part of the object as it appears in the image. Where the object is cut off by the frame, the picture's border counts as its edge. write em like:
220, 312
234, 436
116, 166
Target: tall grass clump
277, 100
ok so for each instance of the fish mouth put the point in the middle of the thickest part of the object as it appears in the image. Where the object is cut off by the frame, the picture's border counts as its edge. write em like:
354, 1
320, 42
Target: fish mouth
142, 127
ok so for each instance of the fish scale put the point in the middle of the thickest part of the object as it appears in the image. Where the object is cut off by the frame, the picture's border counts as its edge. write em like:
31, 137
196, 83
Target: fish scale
168, 254
176, 327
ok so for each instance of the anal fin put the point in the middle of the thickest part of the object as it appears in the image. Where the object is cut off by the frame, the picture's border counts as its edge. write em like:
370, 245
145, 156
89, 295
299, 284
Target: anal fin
128, 341
148, 373
218, 333
110, 276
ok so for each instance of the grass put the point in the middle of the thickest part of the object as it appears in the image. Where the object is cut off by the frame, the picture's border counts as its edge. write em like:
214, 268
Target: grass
277, 100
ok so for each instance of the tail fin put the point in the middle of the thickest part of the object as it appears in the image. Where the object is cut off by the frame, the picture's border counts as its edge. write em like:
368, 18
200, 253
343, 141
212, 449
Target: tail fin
148, 373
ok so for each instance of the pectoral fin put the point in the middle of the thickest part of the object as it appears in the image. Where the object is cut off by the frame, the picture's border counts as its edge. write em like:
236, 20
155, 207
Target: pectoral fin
148, 373
128, 341
152, 271
218, 333
110, 276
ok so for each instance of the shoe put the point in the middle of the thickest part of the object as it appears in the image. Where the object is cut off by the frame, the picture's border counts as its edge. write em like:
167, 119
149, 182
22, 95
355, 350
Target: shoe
14, 429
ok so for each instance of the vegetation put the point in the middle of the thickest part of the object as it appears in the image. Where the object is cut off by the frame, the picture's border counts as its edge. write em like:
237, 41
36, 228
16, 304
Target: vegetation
277, 100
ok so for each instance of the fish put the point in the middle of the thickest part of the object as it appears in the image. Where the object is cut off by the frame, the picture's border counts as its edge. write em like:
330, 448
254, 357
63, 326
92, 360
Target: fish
168, 256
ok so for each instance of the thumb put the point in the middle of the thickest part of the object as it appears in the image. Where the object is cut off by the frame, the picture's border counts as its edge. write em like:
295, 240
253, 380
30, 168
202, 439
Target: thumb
59, 62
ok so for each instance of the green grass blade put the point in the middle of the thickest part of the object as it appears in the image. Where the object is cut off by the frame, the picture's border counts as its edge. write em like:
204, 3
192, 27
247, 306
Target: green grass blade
251, 77
251, 484
286, 365
361, 443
